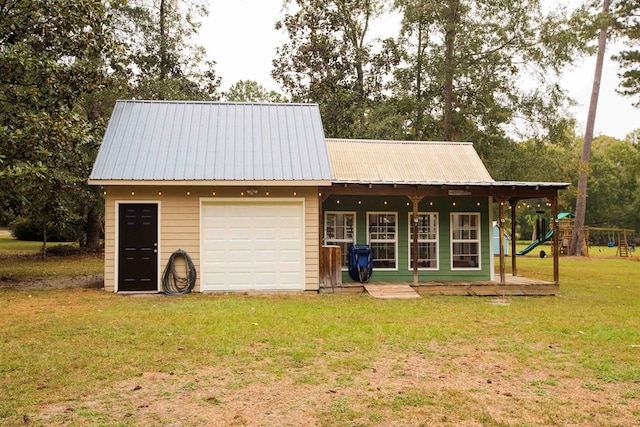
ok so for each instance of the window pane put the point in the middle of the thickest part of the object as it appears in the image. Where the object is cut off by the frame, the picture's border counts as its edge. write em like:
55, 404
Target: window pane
466, 255
384, 255
427, 255
465, 245
382, 237
339, 230
427, 240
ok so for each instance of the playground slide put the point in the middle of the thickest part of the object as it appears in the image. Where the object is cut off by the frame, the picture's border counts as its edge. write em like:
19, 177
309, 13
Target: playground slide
529, 248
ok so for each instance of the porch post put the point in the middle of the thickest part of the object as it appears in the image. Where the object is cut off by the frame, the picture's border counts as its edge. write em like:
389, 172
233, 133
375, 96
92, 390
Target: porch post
514, 206
501, 240
556, 252
414, 235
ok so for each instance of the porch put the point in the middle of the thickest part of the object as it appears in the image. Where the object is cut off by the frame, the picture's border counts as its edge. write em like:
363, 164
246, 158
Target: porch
512, 286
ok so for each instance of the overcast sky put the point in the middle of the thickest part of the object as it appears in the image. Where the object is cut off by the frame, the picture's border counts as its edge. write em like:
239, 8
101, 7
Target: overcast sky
240, 36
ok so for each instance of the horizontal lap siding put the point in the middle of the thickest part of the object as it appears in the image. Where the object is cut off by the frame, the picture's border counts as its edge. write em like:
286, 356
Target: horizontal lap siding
312, 232
109, 242
401, 205
179, 216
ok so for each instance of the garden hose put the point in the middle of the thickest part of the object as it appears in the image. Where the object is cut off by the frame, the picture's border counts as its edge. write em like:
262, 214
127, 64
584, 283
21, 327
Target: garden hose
175, 284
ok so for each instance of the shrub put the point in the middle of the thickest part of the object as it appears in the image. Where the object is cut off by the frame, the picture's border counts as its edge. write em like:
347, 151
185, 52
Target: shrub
31, 230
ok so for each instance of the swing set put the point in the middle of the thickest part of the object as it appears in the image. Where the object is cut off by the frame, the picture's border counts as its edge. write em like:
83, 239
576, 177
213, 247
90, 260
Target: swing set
615, 238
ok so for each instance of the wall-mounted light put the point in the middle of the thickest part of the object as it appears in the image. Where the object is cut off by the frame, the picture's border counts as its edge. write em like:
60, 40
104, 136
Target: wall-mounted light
188, 193
213, 193
159, 192
266, 193
252, 191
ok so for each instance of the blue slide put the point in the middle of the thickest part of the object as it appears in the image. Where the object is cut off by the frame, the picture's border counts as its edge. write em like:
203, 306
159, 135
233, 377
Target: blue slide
535, 243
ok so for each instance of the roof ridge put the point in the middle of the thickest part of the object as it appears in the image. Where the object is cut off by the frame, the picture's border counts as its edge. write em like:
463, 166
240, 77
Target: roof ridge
183, 101
398, 141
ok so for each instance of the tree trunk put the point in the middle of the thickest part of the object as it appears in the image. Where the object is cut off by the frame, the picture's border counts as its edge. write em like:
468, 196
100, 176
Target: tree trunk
94, 226
577, 240
44, 240
417, 128
163, 41
449, 49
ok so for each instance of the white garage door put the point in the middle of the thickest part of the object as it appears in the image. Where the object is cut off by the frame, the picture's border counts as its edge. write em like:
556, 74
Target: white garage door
252, 245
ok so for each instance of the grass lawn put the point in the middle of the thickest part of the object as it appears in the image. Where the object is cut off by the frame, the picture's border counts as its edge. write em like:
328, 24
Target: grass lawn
18, 261
86, 357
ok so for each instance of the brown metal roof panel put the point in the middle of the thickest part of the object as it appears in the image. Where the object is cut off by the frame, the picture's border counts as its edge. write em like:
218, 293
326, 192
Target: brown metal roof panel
405, 161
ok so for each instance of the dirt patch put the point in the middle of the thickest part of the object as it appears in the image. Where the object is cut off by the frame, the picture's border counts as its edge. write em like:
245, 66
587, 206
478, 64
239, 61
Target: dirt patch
471, 387
35, 283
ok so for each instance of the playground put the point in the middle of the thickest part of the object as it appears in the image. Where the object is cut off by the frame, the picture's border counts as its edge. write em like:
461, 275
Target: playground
598, 241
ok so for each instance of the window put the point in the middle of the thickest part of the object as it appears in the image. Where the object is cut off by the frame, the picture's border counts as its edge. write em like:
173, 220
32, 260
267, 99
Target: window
427, 241
340, 230
383, 240
465, 241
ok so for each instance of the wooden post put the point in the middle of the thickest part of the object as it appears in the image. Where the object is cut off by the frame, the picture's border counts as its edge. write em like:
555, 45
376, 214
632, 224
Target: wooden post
514, 206
556, 231
501, 240
330, 267
414, 252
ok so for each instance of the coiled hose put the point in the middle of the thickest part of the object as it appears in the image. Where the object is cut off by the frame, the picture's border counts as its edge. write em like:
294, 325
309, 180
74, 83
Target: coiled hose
175, 284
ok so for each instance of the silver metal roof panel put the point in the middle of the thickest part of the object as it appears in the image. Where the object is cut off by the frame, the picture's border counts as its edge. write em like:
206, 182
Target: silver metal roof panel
212, 141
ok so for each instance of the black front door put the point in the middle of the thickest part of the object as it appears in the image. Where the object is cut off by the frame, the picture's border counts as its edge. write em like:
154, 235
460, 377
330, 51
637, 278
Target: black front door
138, 247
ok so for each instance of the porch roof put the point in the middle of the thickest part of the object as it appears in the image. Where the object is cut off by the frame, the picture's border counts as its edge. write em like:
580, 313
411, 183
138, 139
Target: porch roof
421, 167
406, 162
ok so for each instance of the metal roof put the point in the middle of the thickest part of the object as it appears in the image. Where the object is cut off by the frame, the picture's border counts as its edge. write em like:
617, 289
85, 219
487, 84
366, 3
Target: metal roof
406, 162
201, 142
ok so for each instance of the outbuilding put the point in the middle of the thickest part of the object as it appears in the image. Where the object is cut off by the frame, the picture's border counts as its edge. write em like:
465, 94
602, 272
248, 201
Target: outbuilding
253, 193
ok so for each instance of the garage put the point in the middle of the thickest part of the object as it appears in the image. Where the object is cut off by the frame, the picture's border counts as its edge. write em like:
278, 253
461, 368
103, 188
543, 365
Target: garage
253, 244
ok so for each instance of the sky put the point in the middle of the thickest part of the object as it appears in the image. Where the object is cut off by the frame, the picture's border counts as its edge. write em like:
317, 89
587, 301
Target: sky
240, 36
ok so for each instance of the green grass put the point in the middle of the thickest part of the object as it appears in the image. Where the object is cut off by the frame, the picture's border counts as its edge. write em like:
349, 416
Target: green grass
85, 349
19, 260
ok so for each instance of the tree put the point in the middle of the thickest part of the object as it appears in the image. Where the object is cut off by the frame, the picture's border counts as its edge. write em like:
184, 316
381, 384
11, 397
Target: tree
251, 91
627, 23
328, 58
51, 53
162, 61
576, 246
481, 69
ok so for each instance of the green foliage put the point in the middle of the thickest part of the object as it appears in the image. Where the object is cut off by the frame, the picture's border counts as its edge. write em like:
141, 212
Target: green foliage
328, 60
31, 230
161, 61
250, 91
473, 70
626, 24
48, 61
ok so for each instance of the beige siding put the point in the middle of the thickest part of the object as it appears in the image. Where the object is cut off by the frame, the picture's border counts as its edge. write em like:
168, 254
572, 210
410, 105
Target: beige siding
179, 219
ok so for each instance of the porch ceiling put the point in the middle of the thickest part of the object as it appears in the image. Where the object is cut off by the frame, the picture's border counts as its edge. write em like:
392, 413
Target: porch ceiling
499, 190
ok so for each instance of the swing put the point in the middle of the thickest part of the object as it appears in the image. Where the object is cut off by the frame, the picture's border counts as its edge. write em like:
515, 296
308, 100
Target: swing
612, 242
